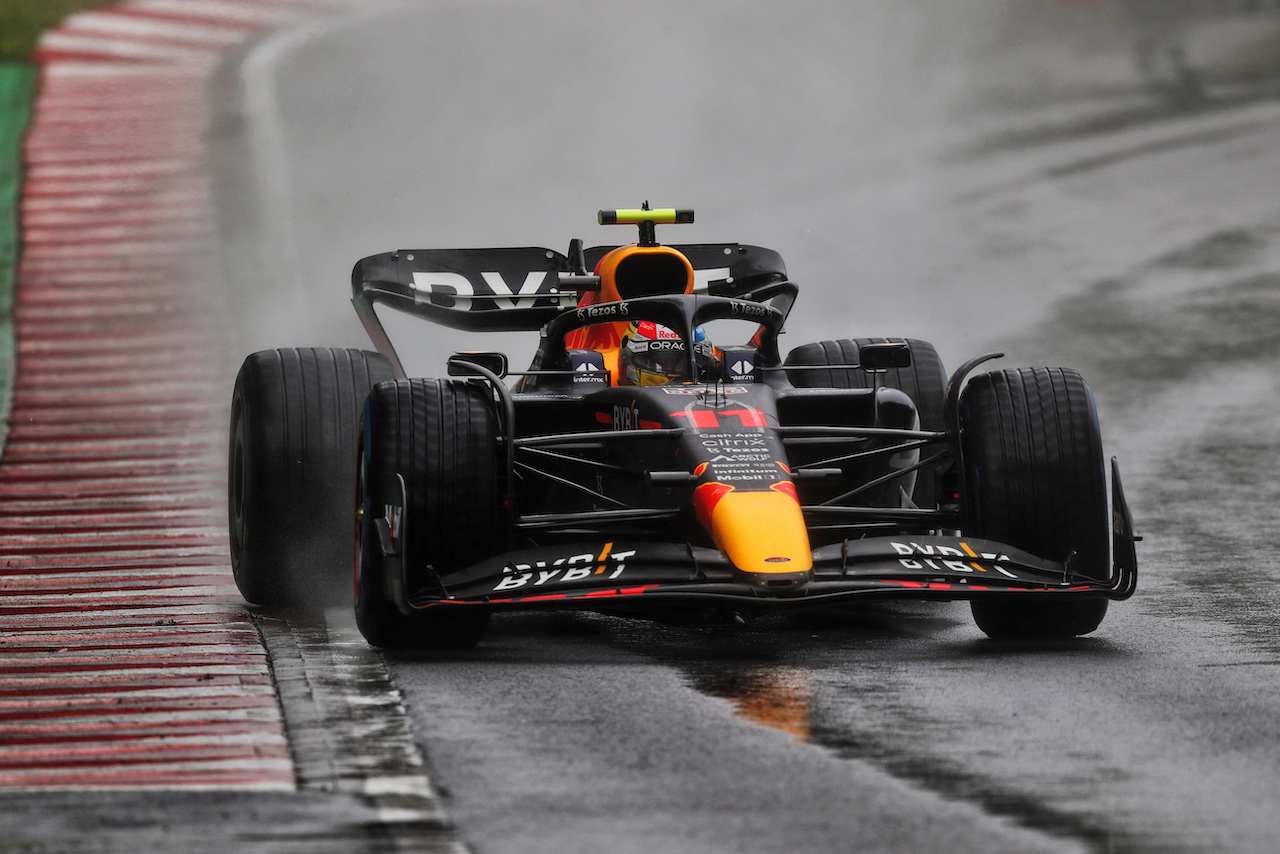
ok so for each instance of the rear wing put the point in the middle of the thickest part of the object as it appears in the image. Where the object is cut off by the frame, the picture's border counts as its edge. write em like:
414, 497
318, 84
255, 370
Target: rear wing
501, 290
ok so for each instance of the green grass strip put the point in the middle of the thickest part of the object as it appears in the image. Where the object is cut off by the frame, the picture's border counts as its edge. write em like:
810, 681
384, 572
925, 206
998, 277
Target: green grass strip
23, 21
17, 91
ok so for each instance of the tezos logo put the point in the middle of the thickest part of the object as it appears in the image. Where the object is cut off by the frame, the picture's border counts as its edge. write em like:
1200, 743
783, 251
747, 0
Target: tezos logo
596, 312
748, 309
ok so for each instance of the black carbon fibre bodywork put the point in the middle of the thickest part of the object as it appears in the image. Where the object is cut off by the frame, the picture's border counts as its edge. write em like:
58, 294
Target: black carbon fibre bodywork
609, 491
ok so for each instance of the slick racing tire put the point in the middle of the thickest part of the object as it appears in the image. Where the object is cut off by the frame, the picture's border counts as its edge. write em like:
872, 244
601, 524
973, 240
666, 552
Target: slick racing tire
440, 437
925, 382
291, 472
1034, 478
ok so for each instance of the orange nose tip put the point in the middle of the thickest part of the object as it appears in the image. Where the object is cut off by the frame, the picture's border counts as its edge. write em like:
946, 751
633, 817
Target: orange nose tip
760, 532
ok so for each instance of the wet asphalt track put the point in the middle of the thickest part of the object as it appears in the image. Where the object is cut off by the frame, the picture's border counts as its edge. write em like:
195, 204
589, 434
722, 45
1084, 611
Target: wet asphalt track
1147, 254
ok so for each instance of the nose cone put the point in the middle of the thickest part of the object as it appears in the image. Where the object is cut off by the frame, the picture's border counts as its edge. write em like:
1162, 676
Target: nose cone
762, 533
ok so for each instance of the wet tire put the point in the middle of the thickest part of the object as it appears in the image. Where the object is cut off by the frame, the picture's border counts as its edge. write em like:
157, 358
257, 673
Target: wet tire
1034, 478
291, 472
925, 382
441, 438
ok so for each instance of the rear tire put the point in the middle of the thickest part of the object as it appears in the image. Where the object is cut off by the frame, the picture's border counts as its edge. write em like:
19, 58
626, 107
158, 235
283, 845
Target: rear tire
291, 472
1034, 478
441, 437
925, 382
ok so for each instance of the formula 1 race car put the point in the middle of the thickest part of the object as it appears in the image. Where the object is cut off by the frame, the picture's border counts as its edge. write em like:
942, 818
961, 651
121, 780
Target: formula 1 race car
641, 467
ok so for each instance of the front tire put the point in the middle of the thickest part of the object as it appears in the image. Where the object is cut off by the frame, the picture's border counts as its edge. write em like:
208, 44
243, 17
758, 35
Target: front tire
441, 438
291, 472
1034, 478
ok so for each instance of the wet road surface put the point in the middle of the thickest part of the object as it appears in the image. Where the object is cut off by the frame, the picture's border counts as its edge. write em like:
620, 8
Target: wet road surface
1146, 255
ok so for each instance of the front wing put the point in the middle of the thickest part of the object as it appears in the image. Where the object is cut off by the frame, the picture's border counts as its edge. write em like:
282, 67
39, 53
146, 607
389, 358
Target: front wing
605, 575
648, 576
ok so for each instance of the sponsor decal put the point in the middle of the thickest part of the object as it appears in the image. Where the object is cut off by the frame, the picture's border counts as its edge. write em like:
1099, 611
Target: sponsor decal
745, 473
453, 290
602, 312
701, 390
940, 565
663, 344
656, 331
588, 367
737, 447
749, 309
625, 417
943, 558
735, 441
608, 564
740, 363
740, 457
536, 287
702, 278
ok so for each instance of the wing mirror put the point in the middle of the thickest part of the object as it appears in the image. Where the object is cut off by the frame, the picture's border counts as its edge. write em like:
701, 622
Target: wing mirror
460, 364
882, 357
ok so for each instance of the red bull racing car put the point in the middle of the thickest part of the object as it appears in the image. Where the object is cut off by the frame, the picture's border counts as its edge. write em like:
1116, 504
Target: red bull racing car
646, 464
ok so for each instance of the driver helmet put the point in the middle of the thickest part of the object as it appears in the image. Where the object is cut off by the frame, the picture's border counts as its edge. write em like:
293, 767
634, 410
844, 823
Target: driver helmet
652, 354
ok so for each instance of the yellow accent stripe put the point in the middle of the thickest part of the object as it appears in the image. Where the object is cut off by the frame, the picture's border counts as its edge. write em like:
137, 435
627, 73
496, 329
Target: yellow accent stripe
604, 554
635, 216
971, 553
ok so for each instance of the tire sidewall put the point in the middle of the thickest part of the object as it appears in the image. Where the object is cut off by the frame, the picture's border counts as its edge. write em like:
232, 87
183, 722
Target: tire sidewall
243, 496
